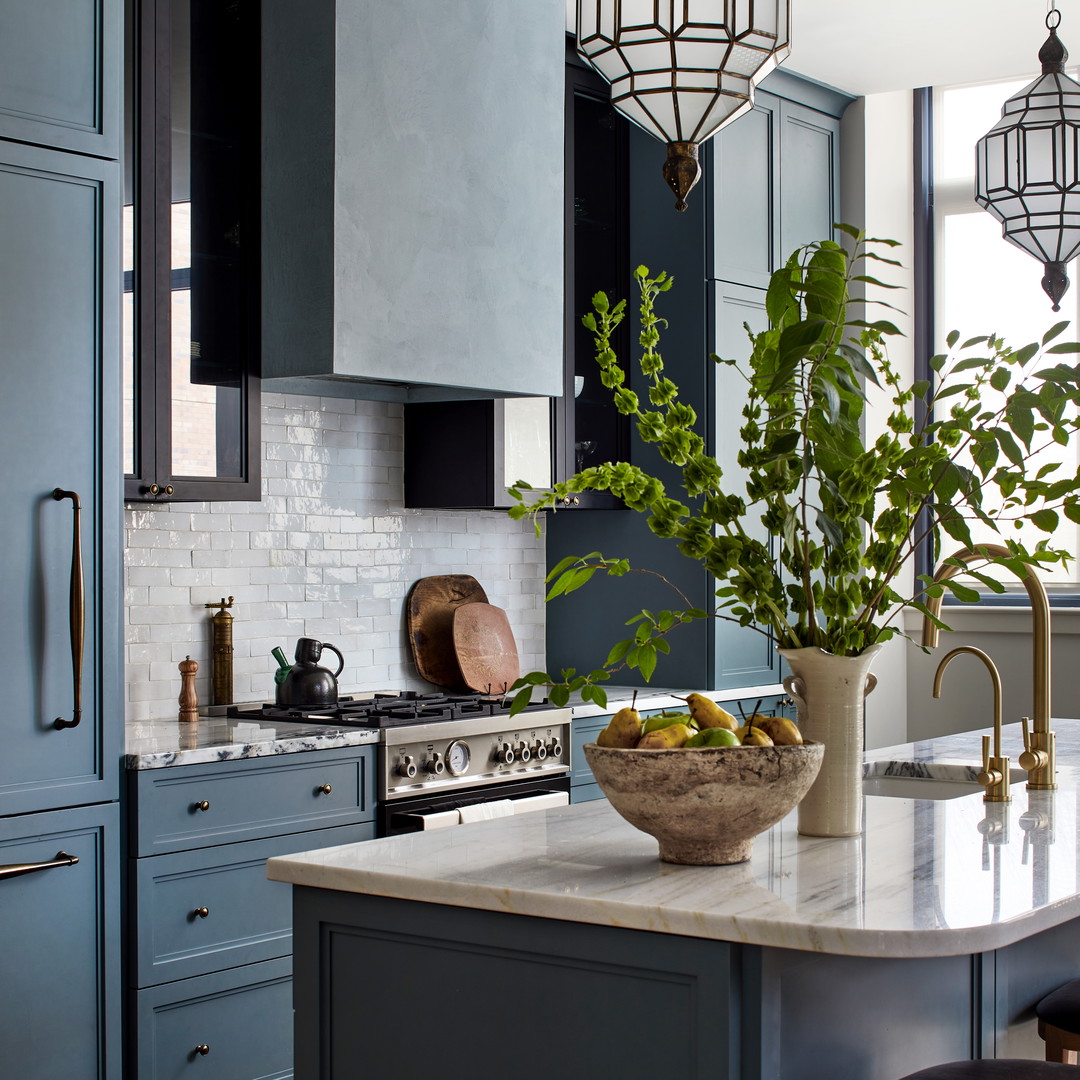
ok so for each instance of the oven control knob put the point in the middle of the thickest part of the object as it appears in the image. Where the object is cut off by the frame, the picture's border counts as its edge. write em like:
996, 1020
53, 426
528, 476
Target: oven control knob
539, 750
435, 764
407, 768
505, 754
555, 748
523, 753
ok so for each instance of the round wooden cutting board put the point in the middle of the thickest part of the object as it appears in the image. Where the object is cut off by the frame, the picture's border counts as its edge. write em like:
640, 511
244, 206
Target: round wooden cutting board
485, 648
430, 609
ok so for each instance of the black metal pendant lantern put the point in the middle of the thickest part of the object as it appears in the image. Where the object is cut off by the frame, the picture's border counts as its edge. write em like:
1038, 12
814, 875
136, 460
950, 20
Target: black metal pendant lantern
1027, 169
682, 69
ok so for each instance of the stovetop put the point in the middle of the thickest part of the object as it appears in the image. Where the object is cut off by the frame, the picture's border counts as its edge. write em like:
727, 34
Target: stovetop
387, 709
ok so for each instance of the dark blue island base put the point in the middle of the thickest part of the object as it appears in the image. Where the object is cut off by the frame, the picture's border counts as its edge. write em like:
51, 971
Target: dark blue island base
398, 988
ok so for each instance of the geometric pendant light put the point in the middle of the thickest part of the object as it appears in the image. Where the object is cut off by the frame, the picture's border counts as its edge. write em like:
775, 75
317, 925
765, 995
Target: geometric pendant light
682, 69
1027, 167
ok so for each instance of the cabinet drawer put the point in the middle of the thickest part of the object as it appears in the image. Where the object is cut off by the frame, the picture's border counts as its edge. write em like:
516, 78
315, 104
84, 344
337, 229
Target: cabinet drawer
198, 805
213, 908
243, 1018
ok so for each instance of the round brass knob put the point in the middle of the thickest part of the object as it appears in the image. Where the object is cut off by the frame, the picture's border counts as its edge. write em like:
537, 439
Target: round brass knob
154, 489
202, 912
169, 489
202, 805
323, 789
202, 1049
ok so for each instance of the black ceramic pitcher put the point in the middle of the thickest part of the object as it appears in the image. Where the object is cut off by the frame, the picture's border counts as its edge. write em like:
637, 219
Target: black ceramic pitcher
307, 684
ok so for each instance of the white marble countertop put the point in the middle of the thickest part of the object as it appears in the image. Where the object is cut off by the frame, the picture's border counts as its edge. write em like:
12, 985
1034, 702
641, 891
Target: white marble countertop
926, 878
162, 744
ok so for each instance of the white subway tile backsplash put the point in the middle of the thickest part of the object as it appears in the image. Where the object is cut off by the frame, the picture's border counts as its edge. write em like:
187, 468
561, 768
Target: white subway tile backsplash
329, 552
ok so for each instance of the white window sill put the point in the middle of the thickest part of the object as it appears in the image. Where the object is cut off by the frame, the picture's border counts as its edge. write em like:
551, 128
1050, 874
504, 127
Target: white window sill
988, 619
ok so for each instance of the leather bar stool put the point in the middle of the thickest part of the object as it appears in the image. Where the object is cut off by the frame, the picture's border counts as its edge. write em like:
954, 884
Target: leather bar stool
994, 1069
1059, 1022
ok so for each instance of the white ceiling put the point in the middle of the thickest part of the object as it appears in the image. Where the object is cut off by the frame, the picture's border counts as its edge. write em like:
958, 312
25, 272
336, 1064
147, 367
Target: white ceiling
867, 46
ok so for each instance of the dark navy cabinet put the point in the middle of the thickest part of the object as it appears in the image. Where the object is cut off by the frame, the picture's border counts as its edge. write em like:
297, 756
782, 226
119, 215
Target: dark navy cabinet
771, 183
209, 937
60, 1004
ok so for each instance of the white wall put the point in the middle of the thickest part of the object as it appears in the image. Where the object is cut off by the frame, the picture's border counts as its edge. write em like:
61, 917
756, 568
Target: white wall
876, 193
329, 553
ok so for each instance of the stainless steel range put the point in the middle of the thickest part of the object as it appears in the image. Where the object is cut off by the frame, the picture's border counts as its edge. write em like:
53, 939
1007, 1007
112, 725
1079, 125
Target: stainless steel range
447, 759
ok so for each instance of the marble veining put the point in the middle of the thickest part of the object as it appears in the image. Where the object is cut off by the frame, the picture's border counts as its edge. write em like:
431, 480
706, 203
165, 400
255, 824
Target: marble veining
926, 877
161, 744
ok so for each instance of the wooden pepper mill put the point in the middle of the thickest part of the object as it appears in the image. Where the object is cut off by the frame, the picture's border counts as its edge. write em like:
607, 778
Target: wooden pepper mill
189, 702
222, 682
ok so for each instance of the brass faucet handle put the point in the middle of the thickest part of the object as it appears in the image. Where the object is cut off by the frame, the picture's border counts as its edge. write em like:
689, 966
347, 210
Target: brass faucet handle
1031, 759
988, 777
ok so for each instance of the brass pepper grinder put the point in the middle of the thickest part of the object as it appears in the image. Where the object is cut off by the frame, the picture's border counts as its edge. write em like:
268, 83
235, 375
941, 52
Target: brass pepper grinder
222, 684
189, 702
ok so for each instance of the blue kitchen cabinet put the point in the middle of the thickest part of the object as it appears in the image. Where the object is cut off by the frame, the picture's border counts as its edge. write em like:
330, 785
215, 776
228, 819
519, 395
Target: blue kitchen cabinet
771, 183
584, 788
60, 1004
59, 284
60, 939
209, 937
58, 75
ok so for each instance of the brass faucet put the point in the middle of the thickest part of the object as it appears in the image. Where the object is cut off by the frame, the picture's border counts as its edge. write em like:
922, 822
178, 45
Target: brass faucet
1039, 756
995, 771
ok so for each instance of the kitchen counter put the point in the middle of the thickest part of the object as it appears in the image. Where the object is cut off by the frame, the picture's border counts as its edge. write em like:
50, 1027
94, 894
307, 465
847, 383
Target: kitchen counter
916, 883
161, 744
949, 917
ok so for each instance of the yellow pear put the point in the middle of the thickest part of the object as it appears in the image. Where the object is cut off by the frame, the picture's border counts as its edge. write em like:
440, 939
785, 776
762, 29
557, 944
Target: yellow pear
707, 714
624, 729
753, 736
667, 738
780, 729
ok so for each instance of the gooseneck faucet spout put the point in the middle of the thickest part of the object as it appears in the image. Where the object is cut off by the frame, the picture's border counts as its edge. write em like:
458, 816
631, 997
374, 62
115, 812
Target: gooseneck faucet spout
1039, 756
995, 771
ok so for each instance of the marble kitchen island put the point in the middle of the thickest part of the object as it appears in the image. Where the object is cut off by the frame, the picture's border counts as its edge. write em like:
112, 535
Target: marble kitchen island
557, 943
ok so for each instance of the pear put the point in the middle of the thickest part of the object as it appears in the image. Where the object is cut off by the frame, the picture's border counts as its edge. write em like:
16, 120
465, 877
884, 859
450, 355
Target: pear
753, 736
623, 730
707, 714
663, 720
667, 738
780, 729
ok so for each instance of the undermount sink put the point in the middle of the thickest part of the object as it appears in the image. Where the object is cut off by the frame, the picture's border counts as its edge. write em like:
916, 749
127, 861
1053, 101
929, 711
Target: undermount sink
918, 787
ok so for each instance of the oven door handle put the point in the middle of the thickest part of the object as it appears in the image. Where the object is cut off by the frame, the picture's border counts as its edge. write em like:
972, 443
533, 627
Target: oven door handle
544, 801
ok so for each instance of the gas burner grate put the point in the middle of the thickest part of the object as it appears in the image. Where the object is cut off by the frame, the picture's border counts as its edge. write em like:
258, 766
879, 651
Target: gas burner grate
388, 709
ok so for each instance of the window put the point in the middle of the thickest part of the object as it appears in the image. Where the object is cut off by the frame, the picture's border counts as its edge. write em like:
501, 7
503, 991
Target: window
984, 284
191, 228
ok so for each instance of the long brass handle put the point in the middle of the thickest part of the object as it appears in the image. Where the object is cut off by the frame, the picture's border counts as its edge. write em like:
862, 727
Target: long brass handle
18, 869
76, 608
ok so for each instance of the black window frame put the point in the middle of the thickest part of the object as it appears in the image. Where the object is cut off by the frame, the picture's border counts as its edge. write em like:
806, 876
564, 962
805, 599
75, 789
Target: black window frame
152, 280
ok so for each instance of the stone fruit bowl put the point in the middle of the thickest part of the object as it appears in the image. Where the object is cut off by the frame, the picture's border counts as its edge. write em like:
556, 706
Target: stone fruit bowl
705, 806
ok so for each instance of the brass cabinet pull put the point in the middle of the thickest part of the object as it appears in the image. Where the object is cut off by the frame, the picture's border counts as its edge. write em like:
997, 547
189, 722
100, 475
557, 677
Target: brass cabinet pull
324, 789
157, 489
203, 805
202, 1049
18, 869
201, 912
76, 608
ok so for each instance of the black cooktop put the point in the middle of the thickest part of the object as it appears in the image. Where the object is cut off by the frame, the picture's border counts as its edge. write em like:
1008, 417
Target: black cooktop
387, 710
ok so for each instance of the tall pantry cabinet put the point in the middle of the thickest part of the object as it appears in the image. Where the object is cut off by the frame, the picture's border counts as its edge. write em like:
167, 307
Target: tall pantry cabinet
770, 184
60, 574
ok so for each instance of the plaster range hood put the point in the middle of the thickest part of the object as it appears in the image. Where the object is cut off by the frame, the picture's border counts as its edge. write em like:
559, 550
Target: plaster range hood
412, 240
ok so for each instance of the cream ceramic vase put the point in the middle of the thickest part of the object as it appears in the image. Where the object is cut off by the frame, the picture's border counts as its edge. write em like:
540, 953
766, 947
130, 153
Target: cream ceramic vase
829, 692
